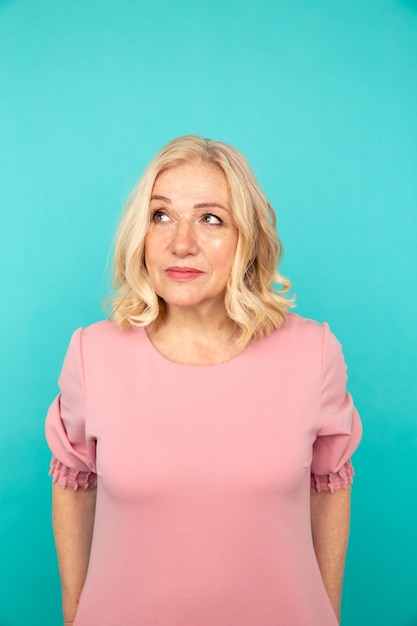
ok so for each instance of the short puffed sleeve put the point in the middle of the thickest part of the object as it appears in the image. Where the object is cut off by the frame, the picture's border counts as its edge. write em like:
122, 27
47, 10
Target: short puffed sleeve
341, 427
73, 452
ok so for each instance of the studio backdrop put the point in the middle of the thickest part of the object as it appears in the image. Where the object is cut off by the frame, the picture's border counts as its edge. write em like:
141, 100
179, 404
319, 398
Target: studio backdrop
321, 97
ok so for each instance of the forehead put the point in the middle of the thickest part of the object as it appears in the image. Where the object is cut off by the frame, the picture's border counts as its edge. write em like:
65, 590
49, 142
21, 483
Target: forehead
194, 180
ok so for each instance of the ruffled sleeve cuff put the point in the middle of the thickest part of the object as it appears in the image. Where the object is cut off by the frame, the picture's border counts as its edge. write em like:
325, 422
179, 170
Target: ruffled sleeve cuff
70, 477
334, 480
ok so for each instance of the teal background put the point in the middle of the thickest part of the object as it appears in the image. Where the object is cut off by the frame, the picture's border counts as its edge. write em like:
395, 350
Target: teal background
321, 96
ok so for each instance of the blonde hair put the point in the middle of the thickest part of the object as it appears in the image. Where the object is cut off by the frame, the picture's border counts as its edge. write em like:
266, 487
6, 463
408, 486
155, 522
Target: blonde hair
252, 300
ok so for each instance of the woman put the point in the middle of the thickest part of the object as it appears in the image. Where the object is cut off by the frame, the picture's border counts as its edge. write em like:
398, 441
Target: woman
202, 437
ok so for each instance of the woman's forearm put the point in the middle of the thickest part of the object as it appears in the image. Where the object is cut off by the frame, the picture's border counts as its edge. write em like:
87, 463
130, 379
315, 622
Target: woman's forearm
73, 520
330, 519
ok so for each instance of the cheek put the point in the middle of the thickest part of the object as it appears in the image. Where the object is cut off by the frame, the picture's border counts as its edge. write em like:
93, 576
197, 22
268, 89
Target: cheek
224, 249
151, 245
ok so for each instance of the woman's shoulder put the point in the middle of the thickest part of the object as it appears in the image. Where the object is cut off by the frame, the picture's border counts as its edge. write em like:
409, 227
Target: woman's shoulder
300, 342
305, 335
295, 323
106, 333
298, 335
102, 328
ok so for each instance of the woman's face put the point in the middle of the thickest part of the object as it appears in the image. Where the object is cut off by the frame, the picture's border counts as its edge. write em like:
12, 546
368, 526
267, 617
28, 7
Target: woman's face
191, 241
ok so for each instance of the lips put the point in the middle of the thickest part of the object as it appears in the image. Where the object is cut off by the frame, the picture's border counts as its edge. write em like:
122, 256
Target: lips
183, 274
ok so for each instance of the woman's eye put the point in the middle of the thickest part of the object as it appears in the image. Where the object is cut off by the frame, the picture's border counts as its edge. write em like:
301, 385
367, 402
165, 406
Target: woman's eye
211, 219
159, 216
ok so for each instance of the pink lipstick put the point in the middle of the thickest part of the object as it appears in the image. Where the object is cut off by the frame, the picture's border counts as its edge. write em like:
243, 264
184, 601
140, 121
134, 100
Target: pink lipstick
183, 274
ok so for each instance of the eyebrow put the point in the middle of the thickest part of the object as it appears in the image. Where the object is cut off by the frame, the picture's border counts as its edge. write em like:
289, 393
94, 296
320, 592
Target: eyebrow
163, 198
209, 205
200, 205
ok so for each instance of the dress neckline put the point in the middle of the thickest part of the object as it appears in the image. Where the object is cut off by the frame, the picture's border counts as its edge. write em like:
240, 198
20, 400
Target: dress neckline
169, 361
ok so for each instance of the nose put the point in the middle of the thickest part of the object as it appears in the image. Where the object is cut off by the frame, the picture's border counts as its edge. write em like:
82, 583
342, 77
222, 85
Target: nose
184, 240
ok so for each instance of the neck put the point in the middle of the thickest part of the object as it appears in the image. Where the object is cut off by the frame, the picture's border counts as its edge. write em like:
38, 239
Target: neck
196, 337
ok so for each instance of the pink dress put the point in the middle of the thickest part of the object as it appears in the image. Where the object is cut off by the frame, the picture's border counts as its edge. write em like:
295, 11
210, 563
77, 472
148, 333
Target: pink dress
203, 475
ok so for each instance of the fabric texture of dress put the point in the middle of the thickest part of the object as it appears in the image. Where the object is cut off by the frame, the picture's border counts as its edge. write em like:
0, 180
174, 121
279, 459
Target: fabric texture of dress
204, 475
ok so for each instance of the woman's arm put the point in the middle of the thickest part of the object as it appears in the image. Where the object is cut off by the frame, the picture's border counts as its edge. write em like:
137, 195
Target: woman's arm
73, 521
330, 519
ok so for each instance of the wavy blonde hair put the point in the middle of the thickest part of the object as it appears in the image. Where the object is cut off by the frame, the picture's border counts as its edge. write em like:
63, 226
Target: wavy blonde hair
252, 298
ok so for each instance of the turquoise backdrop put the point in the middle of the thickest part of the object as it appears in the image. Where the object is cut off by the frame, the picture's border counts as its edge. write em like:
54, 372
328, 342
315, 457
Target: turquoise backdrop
321, 96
